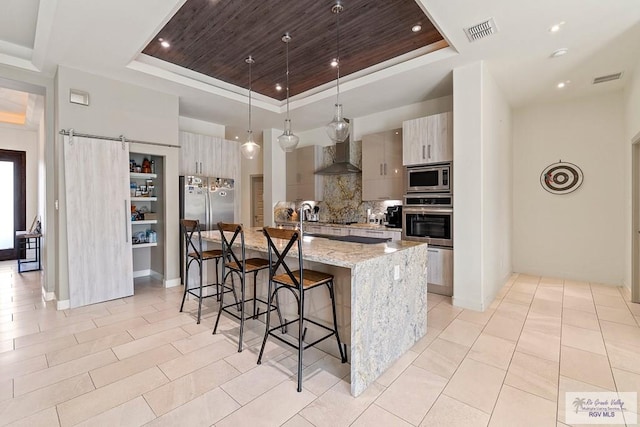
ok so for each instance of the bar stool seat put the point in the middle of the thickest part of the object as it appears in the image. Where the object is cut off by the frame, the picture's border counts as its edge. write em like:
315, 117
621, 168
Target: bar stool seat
241, 266
195, 253
298, 282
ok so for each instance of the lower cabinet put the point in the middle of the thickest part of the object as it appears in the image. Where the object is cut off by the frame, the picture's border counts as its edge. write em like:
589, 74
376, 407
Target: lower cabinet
440, 271
382, 234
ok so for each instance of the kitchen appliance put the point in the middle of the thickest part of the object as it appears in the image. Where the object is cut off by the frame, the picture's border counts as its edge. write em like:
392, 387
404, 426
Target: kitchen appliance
429, 218
207, 199
394, 216
429, 178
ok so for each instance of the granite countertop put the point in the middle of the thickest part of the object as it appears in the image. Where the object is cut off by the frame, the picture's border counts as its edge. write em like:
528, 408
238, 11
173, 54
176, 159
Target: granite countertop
318, 249
361, 225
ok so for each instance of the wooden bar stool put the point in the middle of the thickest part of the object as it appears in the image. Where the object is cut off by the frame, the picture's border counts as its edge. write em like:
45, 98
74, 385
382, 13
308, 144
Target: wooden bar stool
194, 253
297, 282
241, 266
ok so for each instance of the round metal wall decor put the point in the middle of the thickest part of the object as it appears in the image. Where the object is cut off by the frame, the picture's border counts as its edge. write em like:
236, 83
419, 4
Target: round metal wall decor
561, 178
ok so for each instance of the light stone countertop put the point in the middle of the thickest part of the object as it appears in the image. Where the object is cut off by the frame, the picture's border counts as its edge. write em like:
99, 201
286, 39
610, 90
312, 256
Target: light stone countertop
326, 251
361, 225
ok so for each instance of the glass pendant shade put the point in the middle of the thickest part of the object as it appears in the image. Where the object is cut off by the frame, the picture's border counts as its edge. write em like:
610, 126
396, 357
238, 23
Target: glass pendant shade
250, 149
288, 141
338, 128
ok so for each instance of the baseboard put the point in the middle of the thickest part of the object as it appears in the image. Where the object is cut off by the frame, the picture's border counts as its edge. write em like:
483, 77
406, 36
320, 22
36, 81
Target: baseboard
172, 282
141, 273
63, 305
48, 296
156, 275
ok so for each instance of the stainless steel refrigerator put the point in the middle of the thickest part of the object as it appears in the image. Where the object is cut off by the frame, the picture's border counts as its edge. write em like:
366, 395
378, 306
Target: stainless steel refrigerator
207, 199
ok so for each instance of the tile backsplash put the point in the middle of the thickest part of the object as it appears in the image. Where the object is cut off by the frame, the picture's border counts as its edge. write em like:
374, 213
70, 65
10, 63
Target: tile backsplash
342, 194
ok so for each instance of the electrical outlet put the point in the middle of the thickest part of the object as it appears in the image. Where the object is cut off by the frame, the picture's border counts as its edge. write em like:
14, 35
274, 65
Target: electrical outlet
396, 272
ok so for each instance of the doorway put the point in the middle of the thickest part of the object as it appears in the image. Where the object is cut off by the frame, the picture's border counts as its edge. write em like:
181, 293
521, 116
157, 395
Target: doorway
257, 201
13, 193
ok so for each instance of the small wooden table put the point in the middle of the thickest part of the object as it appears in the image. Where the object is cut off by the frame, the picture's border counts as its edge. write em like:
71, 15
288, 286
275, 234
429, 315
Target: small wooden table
28, 241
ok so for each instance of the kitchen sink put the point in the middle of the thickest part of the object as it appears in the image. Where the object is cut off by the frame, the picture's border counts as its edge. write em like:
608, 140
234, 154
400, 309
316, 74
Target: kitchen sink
352, 239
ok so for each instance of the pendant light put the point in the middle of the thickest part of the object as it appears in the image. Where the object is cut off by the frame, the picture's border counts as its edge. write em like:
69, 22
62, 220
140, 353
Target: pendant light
250, 149
338, 128
288, 141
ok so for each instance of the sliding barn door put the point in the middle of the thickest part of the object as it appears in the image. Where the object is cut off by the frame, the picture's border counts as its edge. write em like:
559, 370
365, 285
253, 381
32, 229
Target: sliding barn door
98, 220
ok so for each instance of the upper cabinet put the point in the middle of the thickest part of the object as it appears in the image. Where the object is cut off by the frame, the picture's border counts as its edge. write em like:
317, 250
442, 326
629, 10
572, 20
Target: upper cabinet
208, 156
302, 182
382, 166
428, 140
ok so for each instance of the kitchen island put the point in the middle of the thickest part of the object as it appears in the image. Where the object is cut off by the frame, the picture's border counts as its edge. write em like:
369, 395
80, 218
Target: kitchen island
381, 296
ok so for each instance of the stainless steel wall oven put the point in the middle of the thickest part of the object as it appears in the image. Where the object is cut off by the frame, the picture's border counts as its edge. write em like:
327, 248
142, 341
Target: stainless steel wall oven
428, 218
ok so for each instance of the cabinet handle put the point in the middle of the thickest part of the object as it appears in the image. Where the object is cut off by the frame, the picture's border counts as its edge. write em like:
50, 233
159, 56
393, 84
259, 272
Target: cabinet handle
380, 168
429, 151
423, 152
434, 251
127, 220
196, 167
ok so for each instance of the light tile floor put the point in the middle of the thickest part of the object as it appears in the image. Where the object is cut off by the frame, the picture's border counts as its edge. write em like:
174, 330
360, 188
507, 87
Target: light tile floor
138, 361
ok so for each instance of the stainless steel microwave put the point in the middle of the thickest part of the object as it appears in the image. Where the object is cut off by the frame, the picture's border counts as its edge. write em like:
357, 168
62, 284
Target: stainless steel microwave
429, 179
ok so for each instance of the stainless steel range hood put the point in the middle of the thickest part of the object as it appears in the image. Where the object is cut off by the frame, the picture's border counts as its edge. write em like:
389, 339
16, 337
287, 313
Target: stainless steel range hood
342, 164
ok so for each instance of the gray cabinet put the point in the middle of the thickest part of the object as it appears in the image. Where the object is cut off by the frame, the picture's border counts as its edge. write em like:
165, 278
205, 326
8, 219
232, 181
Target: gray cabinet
302, 182
440, 271
428, 139
382, 166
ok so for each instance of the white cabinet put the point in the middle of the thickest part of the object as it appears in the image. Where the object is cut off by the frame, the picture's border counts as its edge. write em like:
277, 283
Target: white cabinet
302, 182
381, 234
440, 271
382, 166
208, 156
428, 139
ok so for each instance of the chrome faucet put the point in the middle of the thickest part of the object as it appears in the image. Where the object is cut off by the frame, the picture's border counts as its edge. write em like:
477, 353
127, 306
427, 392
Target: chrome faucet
303, 208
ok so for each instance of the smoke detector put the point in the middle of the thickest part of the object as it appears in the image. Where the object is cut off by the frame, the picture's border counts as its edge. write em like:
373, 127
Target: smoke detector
481, 30
607, 78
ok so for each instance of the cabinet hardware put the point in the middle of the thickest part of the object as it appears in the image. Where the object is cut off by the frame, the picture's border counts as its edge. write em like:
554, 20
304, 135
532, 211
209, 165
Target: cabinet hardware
423, 152
380, 168
433, 251
429, 151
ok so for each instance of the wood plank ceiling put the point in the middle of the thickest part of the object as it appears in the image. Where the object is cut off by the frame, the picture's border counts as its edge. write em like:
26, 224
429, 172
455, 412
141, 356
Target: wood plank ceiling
213, 37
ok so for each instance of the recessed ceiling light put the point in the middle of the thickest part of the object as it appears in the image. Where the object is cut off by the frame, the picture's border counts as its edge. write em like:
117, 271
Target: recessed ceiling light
334, 62
556, 27
164, 43
416, 28
559, 52
278, 87
237, 137
563, 84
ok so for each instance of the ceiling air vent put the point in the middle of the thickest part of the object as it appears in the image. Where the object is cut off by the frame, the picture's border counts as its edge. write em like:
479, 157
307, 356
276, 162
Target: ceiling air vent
481, 30
607, 78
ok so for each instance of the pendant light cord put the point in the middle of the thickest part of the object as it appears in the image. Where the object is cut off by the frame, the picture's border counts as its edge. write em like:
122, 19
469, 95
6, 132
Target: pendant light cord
287, 56
250, 61
338, 54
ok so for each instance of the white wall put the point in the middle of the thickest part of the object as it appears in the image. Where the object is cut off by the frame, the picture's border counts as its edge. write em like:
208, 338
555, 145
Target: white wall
201, 127
580, 235
12, 138
482, 191
275, 188
115, 108
467, 186
632, 129
378, 122
497, 188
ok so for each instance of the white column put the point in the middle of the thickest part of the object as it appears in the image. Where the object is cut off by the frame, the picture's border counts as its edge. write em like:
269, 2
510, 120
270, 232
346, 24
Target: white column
275, 185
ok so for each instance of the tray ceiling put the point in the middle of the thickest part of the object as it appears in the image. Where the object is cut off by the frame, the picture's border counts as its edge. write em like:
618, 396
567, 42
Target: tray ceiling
214, 38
